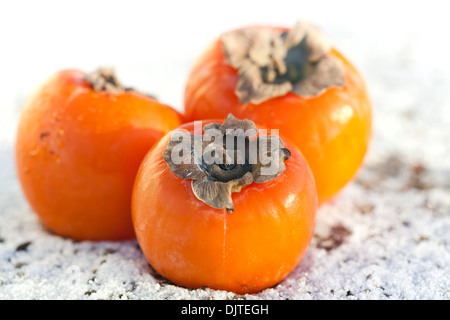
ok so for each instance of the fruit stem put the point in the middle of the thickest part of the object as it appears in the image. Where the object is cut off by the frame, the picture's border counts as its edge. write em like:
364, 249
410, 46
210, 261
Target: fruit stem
271, 63
104, 79
238, 161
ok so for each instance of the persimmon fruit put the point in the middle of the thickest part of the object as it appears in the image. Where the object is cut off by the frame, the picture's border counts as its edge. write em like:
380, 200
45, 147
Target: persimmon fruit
291, 79
200, 228
80, 140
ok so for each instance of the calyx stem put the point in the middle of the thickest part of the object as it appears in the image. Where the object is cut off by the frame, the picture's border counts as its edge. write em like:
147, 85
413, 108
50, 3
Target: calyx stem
272, 63
220, 167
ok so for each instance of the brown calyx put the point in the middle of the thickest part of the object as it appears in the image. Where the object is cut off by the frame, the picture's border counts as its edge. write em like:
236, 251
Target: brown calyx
104, 79
272, 63
225, 159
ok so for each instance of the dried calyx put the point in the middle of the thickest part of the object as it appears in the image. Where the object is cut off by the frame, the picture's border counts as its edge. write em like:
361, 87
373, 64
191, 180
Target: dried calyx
271, 63
225, 159
104, 79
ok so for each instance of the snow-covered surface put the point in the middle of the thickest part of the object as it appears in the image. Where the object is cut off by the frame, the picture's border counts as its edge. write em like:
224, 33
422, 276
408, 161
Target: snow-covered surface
386, 236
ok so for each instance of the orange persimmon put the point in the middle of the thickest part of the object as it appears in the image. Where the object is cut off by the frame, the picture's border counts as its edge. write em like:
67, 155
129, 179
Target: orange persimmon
198, 228
292, 80
79, 144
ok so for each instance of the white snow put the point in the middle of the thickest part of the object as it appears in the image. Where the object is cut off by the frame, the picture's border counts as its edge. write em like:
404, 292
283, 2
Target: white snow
386, 236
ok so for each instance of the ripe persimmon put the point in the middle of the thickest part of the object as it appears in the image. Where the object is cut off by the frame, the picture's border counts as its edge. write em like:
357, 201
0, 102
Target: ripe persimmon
79, 144
225, 226
293, 80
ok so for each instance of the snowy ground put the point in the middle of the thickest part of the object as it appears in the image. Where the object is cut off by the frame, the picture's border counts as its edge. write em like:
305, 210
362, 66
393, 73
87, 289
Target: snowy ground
387, 235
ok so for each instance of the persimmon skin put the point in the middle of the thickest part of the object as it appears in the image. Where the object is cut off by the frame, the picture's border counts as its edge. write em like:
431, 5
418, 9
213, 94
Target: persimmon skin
333, 129
195, 245
78, 151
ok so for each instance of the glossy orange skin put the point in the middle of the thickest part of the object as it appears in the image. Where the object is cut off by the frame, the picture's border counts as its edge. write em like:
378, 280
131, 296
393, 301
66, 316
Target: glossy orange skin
195, 245
78, 151
332, 130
